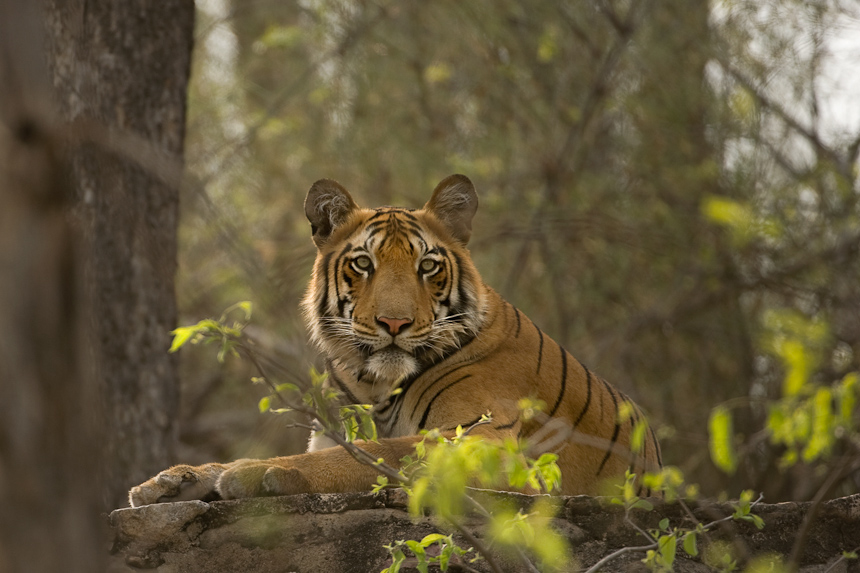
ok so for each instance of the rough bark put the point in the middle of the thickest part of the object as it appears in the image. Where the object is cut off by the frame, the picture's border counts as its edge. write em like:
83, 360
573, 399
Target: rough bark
346, 533
120, 71
48, 424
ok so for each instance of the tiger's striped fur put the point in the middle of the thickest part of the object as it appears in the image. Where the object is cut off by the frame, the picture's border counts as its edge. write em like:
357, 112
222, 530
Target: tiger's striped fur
466, 351
395, 302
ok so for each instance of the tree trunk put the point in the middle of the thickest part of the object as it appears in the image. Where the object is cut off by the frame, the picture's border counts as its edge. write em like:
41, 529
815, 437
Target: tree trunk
49, 423
120, 71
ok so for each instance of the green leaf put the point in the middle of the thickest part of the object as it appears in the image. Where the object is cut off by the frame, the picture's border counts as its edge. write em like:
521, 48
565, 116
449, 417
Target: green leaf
721, 437
286, 386
432, 538
664, 524
182, 335
415, 547
756, 520
368, 428
643, 504
637, 436
668, 546
690, 546
445, 556
397, 559
264, 404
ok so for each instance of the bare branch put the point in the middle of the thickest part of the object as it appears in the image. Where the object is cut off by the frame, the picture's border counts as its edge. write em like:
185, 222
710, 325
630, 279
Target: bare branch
616, 554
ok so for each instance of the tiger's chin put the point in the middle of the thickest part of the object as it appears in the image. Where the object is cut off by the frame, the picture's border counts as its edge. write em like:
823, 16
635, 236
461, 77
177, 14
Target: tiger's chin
391, 364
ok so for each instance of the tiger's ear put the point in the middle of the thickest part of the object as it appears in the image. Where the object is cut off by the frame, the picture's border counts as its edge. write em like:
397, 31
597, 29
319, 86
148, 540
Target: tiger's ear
327, 206
454, 202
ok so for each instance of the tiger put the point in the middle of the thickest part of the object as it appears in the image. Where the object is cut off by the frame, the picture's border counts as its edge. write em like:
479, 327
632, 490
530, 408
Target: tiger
407, 325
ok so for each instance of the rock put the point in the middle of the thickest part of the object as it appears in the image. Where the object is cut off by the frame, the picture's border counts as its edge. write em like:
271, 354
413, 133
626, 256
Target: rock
345, 533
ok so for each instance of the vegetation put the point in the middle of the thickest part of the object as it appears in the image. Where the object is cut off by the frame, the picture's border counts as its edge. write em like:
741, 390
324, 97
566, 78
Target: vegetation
444, 471
668, 188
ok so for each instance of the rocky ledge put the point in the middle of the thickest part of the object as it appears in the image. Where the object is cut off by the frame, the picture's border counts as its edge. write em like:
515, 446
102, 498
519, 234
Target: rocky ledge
345, 533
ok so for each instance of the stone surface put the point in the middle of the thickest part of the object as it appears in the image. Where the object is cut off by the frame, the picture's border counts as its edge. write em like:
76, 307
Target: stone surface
345, 533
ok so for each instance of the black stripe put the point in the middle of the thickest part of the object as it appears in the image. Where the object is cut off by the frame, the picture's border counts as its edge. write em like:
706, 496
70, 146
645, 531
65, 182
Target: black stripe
341, 384
461, 286
412, 225
563, 380
322, 308
615, 433
540, 348
379, 214
410, 230
517, 313
656, 445
508, 426
430, 405
429, 386
336, 268
588, 396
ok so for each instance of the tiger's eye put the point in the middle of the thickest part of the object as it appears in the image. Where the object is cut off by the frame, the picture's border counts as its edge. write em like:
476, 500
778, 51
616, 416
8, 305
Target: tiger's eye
363, 262
428, 265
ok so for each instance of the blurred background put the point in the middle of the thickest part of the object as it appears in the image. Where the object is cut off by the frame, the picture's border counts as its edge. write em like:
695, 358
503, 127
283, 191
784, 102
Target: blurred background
667, 188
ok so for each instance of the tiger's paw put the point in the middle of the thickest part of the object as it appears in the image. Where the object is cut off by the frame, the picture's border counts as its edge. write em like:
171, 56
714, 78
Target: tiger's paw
254, 478
179, 483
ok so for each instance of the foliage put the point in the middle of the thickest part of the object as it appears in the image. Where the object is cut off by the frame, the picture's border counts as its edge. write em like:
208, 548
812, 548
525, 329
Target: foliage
659, 182
670, 189
447, 549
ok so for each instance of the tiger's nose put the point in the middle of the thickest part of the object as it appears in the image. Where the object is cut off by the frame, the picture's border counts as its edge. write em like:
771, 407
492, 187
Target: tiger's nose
393, 325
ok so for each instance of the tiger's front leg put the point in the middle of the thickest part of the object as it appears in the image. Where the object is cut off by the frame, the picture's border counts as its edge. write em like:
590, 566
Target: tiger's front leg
179, 483
330, 470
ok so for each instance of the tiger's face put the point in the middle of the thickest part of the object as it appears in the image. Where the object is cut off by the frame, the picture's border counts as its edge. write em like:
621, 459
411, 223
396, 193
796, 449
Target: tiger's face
393, 290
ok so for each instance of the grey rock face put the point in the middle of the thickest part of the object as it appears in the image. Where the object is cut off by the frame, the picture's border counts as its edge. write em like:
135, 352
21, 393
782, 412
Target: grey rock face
345, 533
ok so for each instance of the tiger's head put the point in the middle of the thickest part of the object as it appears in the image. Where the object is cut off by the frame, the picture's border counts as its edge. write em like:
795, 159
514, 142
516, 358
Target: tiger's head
393, 290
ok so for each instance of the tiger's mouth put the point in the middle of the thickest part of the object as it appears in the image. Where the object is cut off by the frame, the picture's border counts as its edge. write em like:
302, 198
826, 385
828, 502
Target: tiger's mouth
391, 363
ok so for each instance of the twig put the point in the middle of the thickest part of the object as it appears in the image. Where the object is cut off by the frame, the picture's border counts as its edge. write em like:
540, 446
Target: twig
475, 505
643, 548
477, 544
596, 567
633, 524
840, 560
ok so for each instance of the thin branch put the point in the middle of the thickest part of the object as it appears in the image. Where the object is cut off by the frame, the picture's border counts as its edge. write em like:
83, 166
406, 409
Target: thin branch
477, 544
615, 555
840, 560
633, 524
476, 506
643, 548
